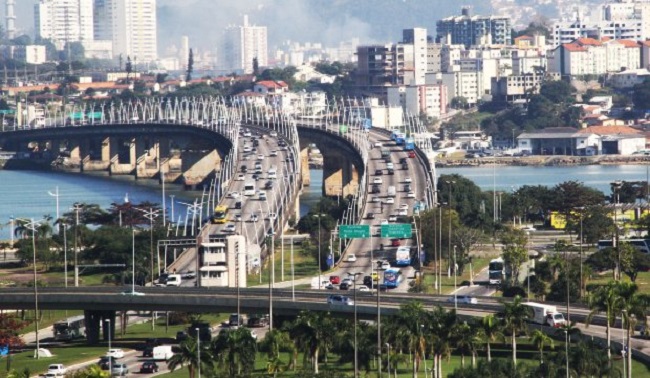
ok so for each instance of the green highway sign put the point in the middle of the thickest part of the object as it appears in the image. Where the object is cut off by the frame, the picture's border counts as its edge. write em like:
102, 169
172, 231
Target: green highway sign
354, 231
396, 230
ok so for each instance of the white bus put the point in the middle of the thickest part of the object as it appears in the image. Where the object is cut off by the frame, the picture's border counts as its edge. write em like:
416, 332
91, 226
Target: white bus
249, 188
70, 328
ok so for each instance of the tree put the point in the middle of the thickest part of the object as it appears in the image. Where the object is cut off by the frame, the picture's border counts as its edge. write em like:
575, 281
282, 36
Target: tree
604, 299
633, 309
92, 371
466, 340
128, 67
515, 315
459, 102
514, 253
309, 333
440, 325
492, 330
540, 339
9, 327
188, 354
190, 66
641, 95
235, 349
633, 261
557, 91
413, 318
256, 66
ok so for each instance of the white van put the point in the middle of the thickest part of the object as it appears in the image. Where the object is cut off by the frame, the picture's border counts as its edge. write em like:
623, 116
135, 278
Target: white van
273, 173
249, 188
392, 191
173, 280
162, 353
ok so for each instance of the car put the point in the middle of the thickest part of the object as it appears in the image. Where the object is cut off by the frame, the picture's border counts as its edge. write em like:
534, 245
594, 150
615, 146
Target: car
256, 176
119, 370
233, 195
410, 194
147, 352
273, 133
384, 265
188, 275
383, 221
363, 288
105, 361
52, 375
273, 153
411, 154
408, 180
247, 149
260, 157
253, 218
378, 144
344, 285
339, 300
367, 281
464, 299
405, 167
270, 232
272, 216
247, 133
370, 216
335, 280
181, 336
375, 276
376, 189
148, 367
392, 218
395, 242
229, 228
328, 286
57, 369
377, 180
379, 172
116, 353
375, 199
407, 188
352, 257
240, 177
404, 206
389, 200
268, 185
238, 218
528, 228
238, 205
258, 165
402, 212
243, 169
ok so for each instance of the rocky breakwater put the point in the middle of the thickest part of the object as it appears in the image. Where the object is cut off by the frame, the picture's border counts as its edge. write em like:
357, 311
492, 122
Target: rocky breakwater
537, 161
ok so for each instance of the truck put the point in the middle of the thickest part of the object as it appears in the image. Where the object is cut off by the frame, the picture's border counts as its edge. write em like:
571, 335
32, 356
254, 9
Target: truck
392, 192
162, 353
545, 314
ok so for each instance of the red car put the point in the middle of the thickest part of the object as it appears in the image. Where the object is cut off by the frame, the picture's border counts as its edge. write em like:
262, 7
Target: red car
395, 242
335, 280
411, 154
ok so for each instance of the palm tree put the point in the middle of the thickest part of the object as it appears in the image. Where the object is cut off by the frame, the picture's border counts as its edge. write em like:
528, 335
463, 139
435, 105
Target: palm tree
309, 332
540, 339
515, 314
633, 309
235, 349
189, 355
605, 299
396, 359
413, 317
492, 329
441, 323
466, 340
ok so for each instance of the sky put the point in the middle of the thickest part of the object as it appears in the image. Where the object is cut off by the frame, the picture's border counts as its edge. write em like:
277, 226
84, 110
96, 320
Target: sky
326, 21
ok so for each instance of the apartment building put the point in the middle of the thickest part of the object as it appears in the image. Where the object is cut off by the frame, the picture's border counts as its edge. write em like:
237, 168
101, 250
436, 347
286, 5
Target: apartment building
63, 21
241, 44
428, 99
471, 30
588, 56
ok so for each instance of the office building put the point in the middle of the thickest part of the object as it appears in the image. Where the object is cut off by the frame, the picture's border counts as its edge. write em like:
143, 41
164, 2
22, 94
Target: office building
242, 44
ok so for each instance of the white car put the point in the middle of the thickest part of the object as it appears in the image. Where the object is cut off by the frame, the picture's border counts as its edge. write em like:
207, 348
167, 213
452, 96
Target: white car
260, 157
241, 177
375, 199
272, 216
384, 265
229, 228
392, 218
384, 221
402, 212
352, 257
238, 218
115, 353
390, 200
377, 180
273, 153
408, 180
254, 218
57, 369
528, 228
410, 194
233, 195
273, 133
404, 206
247, 133
363, 288
464, 299
378, 144
247, 149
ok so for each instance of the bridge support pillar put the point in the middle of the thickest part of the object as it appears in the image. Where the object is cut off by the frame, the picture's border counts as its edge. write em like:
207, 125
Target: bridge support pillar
146, 153
84, 153
339, 177
95, 320
106, 150
304, 167
198, 165
163, 153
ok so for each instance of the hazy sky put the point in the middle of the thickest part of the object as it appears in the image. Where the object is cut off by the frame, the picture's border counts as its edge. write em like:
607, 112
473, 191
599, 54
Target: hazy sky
327, 21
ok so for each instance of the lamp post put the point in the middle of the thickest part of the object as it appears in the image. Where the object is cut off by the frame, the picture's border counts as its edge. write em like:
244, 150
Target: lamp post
151, 214
378, 320
132, 261
110, 358
450, 183
566, 350
356, 358
527, 268
455, 281
65, 254
198, 350
581, 209
171, 197
31, 225
616, 185
77, 207
319, 216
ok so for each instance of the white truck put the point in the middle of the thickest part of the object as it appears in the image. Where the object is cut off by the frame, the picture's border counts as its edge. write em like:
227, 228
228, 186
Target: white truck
162, 352
546, 315
392, 192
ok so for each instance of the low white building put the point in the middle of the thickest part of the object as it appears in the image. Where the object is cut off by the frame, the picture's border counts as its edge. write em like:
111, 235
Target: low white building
629, 78
224, 262
589, 141
429, 99
468, 85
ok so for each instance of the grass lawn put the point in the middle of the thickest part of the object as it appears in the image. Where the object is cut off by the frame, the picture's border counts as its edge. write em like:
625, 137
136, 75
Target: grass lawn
642, 280
304, 266
447, 283
68, 354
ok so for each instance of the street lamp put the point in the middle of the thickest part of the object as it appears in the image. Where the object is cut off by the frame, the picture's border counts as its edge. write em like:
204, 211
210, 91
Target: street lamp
581, 209
319, 216
198, 350
356, 358
110, 358
616, 186
455, 281
151, 214
450, 183
77, 207
528, 267
32, 226
566, 350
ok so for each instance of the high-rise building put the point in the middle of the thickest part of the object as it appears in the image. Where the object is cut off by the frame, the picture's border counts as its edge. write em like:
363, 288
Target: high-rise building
131, 25
242, 44
471, 30
11, 19
417, 37
63, 21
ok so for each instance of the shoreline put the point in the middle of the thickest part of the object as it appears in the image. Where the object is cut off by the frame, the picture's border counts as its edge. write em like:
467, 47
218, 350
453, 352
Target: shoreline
544, 161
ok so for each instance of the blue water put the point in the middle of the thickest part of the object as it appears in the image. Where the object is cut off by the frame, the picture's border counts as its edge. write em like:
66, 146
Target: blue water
24, 194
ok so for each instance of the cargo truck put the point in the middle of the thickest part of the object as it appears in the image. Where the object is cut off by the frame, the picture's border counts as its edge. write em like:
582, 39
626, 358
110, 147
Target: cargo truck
545, 315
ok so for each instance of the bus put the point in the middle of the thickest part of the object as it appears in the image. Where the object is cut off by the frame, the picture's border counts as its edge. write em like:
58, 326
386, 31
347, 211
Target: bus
496, 271
249, 188
399, 138
70, 328
642, 245
403, 256
409, 144
220, 214
392, 278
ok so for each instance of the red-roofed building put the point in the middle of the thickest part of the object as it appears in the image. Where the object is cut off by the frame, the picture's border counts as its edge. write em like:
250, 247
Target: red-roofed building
271, 87
588, 56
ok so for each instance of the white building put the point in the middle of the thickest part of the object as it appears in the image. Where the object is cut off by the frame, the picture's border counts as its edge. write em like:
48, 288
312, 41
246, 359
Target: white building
242, 44
63, 21
629, 78
588, 56
467, 84
224, 262
417, 62
428, 99
131, 25
513, 88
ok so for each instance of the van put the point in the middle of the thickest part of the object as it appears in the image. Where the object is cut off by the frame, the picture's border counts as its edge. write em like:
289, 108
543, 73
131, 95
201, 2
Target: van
162, 353
392, 192
173, 280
